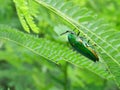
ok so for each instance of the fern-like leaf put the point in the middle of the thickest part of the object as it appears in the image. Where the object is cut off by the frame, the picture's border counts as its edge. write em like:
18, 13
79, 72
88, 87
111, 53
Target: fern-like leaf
51, 50
95, 29
25, 15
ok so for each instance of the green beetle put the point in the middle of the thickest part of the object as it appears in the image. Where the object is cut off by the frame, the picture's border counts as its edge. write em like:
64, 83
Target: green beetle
81, 45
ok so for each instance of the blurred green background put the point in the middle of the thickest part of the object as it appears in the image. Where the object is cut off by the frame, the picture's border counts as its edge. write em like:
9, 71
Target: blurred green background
20, 69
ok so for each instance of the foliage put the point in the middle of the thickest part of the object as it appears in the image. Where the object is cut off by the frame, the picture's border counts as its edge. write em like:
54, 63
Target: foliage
33, 55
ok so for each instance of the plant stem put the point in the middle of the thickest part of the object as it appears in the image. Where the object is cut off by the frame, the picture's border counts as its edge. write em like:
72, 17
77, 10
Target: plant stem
66, 76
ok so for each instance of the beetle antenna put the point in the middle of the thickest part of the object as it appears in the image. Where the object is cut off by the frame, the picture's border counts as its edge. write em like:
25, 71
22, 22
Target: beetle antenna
65, 32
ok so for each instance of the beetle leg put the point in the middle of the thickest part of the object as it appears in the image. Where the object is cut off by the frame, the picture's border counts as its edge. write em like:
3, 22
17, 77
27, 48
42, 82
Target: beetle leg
94, 45
86, 44
78, 33
91, 45
74, 29
88, 41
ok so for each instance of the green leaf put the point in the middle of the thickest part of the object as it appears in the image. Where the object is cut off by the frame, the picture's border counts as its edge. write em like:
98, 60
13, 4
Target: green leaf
52, 51
94, 29
25, 15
